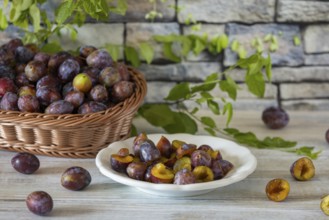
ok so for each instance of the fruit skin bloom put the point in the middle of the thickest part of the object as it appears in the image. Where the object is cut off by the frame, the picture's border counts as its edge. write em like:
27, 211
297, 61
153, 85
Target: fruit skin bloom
275, 117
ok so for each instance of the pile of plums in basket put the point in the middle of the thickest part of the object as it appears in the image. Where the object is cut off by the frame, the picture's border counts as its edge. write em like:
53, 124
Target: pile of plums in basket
60, 83
174, 162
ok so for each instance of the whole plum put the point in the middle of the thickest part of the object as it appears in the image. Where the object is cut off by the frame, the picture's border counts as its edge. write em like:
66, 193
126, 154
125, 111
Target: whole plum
20, 67
34, 70
68, 87
21, 80
47, 95
60, 107
39, 203
12, 45
27, 90
217, 170
99, 93
122, 90
9, 102
82, 83
91, 107
136, 170
24, 54
49, 81
86, 50
76, 98
93, 73
7, 71
42, 57
68, 70
75, 178
56, 60
109, 76
275, 117
7, 85
28, 103
123, 71
184, 176
25, 163
6, 57
148, 151
327, 136
200, 158
99, 59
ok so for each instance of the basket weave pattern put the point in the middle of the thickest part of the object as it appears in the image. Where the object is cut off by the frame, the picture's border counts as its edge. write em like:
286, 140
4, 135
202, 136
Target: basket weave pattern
71, 135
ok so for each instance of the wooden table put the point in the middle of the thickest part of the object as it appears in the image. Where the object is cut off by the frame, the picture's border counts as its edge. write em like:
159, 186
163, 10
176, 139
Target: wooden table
106, 199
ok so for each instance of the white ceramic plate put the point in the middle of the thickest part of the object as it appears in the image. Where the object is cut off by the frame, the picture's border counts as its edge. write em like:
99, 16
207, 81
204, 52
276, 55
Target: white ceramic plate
244, 164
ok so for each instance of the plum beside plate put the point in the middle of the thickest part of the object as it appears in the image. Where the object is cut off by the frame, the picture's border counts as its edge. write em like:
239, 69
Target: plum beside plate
244, 164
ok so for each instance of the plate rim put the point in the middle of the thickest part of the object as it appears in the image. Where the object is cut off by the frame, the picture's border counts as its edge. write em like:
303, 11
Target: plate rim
125, 180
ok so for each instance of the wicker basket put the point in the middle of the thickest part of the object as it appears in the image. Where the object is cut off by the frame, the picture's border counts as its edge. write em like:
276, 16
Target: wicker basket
71, 135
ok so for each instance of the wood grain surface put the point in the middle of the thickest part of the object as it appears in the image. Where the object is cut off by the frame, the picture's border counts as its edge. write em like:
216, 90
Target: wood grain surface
106, 199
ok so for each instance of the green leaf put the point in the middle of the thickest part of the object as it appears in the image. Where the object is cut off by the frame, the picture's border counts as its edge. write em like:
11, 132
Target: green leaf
15, 12
183, 124
210, 131
278, 143
195, 110
51, 48
35, 14
147, 52
186, 46
256, 84
268, 37
208, 84
306, 151
223, 41
114, 51
3, 21
157, 114
132, 56
208, 121
245, 63
228, 108
165, 38
235, 45
64, 11
26, 4
268, 67
297, 41
213, 106
198, 47
242, 52
179, 91
169, 54
5, 3
229, 86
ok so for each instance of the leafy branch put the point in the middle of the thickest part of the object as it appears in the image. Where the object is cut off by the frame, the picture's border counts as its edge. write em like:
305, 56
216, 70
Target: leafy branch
68, 14
174, 116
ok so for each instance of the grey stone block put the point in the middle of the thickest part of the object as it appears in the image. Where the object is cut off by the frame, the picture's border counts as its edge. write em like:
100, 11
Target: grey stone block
287, 54
300, 74
307, 104
157, 91
302, 11
186, 71
144, 32
290, 74
304, 90
317, 59
138, 9
314, 38
97, 35
135, 13
10, 33
221, 11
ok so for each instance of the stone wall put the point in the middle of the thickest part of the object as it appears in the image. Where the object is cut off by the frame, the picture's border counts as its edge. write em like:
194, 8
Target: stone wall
300, 72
